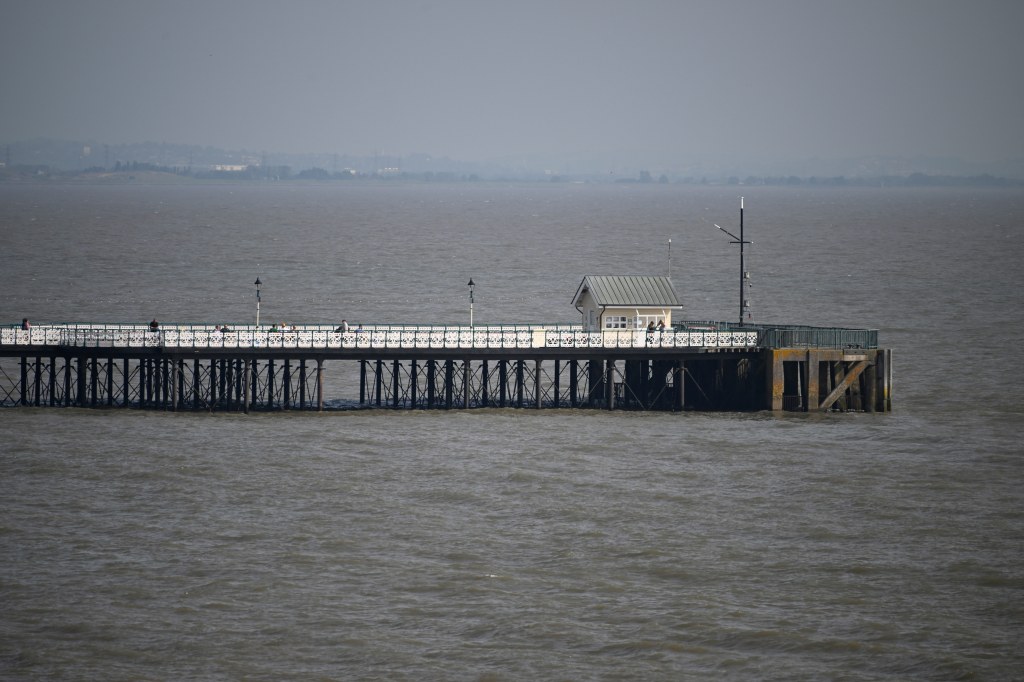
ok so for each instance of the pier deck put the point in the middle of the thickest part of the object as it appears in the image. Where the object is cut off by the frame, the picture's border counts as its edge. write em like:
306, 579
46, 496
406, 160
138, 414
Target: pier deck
694, 366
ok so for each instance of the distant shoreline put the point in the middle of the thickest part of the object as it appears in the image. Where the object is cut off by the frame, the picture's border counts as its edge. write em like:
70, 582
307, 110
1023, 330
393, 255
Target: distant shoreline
43, 175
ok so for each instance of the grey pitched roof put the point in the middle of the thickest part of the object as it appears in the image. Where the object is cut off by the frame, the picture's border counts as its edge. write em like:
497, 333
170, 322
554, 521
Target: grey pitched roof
630, 291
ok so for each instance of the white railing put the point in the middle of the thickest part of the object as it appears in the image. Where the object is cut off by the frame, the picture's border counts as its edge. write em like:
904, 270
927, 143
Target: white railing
414, 338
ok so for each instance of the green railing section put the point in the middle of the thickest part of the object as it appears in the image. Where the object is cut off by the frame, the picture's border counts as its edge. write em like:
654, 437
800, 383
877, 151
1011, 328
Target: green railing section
793, 335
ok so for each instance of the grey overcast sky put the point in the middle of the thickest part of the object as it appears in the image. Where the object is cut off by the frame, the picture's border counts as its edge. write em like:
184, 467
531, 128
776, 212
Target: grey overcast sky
480, 79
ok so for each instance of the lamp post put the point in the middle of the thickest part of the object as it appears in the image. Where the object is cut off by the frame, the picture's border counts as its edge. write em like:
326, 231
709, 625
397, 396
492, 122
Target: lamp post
471, 285
258, 283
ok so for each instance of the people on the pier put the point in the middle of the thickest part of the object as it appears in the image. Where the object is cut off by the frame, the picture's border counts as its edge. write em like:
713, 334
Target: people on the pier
661, 325
25, 324
359, 329
343, 327
224, 329
154, 325
273, 328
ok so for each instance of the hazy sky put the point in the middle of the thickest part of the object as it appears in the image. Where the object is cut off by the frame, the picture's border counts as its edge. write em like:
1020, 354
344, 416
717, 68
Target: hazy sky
480, 79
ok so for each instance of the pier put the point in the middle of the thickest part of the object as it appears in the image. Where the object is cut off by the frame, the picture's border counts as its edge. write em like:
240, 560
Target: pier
689, 366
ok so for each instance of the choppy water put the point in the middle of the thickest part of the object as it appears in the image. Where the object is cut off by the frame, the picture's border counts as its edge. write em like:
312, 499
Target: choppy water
505, 544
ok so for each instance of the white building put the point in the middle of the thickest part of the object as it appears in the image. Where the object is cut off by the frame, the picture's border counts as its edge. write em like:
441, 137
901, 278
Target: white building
617, 302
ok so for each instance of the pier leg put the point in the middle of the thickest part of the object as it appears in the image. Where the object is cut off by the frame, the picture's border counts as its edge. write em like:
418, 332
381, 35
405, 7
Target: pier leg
574, 376
502, 382
143, 381
595, 382
53, 380
448, 378
520, 380
680, 380
466, 372
395, 368
81, 382
228, 381
174, 384
856, 395
319, 385
270, 383
558, 368
610, 383
287, 398
93, 381
536, 383
643, 384
775, 379
38, 380
255, 384
213, 383
165, 378
431, 383
484, 399
413, 379
24, 380
67, 381
110, 381
238, 373
812, 381
838, 377
126, 384
378, 380
362, 382
223, 385
870, 386
246, 386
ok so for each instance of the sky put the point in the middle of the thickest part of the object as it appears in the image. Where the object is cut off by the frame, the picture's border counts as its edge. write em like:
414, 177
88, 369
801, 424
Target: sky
638, 80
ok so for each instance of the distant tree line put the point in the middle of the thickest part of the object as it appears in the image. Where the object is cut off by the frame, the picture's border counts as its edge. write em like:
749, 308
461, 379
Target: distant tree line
138, 167
912, 180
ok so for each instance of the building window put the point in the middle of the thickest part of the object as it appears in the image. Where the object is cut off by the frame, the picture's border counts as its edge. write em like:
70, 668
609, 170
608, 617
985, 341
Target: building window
643, 320
631, 322
615, 322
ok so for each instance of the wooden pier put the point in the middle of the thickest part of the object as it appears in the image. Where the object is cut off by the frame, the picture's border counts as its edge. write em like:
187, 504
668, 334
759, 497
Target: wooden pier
705, 366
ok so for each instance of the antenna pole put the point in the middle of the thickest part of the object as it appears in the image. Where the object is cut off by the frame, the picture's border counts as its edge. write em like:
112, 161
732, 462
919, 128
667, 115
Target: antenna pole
670, 258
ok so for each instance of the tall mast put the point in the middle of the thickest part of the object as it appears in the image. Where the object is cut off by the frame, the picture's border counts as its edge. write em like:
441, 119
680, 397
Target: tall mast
743, 271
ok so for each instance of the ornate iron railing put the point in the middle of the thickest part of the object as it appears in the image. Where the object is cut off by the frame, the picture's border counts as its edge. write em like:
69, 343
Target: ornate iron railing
413, 338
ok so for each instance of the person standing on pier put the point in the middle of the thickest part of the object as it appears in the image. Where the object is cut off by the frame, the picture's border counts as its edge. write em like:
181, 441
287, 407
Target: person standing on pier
25, 324
154, 325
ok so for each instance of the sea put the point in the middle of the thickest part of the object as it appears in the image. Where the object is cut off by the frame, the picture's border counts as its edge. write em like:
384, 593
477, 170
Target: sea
517, 544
